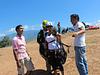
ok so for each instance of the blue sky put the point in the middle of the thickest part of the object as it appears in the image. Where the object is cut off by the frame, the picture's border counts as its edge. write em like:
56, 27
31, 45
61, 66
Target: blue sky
31, 13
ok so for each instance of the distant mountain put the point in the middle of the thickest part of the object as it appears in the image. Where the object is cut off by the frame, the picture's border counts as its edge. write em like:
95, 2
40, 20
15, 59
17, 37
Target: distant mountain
29, 35
32, 34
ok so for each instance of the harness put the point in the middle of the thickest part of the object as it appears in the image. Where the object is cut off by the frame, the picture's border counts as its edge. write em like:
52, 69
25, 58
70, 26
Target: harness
61, 44
59, 53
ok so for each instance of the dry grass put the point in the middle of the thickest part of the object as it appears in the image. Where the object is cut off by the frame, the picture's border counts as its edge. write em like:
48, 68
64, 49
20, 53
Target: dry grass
8, 66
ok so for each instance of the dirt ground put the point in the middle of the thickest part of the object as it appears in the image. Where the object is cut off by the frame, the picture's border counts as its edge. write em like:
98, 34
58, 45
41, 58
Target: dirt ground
8, 66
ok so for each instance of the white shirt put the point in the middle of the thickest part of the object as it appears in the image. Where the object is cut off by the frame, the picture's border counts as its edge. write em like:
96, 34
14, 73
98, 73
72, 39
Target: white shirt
52, 45
79, 39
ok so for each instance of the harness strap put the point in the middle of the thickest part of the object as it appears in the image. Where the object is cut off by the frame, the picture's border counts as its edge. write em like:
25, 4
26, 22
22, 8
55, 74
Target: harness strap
51, 41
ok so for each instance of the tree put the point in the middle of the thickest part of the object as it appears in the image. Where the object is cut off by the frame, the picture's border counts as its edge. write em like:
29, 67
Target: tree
5, 42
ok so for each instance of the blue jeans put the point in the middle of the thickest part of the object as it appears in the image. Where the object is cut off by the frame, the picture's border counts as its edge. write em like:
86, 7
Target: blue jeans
81, 60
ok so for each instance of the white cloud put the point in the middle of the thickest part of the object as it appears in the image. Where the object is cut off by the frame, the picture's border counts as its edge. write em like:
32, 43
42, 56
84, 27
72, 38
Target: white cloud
26, 27
53, 22
87, 23
41, 25
31, 27
98, 21
11, 30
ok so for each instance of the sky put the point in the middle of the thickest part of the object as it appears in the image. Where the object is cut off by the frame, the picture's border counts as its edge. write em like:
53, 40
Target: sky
31, 13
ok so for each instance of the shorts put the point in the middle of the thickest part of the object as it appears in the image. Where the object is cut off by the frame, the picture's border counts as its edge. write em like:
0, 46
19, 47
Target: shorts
27, 63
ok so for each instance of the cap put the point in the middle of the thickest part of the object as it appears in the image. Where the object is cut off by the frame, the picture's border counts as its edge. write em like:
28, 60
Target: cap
49, 24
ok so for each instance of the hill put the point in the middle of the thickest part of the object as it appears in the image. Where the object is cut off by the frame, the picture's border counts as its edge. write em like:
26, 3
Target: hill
8, 66
29, 35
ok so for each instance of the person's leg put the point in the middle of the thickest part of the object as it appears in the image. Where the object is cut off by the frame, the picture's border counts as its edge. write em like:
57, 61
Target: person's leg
85, 60
21, 68
79, 56
56, 72
43, 54
48, 66
54, 66
58, 68
29, 66
62, 70
50, 61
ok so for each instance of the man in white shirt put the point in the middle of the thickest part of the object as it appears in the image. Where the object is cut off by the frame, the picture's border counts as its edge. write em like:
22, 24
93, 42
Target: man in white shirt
79, 45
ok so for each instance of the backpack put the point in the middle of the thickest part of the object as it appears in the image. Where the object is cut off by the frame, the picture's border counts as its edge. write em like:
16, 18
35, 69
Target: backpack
40, 37
63, 55
42, 44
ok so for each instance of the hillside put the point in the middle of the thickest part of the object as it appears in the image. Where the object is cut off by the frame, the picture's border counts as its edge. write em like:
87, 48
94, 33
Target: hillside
8, 66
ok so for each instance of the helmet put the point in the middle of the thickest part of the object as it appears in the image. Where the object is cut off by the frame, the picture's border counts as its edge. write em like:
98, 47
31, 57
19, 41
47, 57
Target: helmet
44, 23
49, 24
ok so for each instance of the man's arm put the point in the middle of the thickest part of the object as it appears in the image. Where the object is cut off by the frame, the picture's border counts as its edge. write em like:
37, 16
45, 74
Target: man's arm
78, 33
15, 53
16, 57
81, 31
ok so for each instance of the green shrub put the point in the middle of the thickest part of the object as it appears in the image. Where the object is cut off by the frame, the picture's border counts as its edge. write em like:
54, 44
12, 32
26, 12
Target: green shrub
5, 42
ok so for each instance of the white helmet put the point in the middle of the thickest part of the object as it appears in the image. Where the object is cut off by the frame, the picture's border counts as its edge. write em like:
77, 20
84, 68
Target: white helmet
49, 24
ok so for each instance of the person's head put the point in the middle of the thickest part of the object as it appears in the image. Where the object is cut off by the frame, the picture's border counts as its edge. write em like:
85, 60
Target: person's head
19, 29
58, 24
74, 18
54, 31
44, 24
56, 34
49, 26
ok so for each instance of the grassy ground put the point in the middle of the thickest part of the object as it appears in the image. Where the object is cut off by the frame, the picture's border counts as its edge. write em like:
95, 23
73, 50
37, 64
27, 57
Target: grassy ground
8, 66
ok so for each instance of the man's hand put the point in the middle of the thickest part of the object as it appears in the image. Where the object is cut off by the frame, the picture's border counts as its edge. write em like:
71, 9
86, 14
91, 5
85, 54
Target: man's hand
18, 64
69, 45
75, 34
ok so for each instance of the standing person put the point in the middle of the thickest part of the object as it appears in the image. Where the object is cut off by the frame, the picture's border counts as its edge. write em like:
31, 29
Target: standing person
79, 45
59, 28
41, 38
54, 50
42, 43
20, 52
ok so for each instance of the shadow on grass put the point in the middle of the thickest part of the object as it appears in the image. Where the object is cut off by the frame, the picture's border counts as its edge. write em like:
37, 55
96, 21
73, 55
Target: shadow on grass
40, 72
